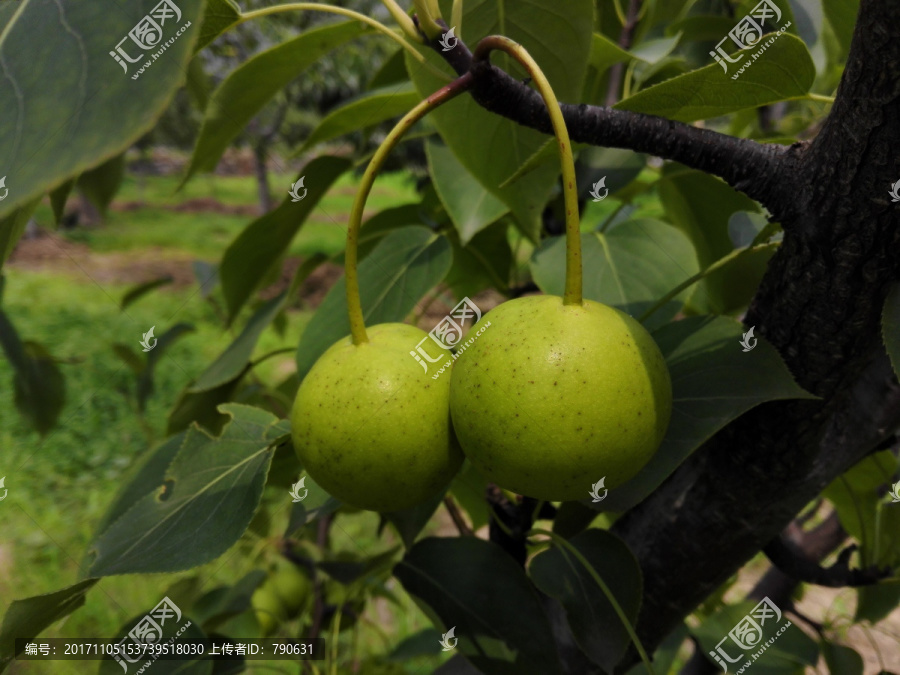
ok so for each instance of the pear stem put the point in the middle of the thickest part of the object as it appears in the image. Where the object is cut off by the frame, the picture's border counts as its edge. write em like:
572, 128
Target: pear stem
572, 295
354, 304
567, 547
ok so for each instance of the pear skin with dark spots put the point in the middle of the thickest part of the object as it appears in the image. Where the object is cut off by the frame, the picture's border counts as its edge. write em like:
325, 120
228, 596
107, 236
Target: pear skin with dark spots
553, 397
372, 427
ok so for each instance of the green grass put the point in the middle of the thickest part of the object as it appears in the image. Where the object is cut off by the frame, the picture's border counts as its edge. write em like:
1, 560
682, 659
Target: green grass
205, 235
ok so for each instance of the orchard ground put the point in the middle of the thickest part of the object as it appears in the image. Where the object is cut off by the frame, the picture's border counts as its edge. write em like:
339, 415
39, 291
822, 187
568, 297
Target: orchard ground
78, 276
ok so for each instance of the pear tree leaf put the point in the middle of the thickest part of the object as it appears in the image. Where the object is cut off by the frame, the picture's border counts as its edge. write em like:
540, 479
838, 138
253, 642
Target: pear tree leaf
145, 383
109, 103
101, 183
59, 197
193, 665
476, 587
594, 623
248, 259
38, 384
12, 226
219, 16
253, 84
783, 72
470, 206
392, 279
629, 267
713, 383
135, 293
840, 659
26, 618
371, 108
875, 603
409, 523
206, 500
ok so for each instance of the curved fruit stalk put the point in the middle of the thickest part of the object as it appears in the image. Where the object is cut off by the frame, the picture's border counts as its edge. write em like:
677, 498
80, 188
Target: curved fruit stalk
572, 295
368, 425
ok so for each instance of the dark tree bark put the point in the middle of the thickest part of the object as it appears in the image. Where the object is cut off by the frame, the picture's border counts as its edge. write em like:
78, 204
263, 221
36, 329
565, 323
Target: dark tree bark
819, 304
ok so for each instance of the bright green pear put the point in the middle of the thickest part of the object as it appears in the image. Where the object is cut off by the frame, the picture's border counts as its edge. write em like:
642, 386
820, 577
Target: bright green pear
270, 612
551, 398
372, 426
292, 586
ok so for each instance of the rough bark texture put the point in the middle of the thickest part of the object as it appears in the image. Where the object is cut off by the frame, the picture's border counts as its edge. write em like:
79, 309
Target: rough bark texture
819, 304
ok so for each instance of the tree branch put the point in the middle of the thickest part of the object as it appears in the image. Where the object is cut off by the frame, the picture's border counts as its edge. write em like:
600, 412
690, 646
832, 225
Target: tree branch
762, 171
790, 559
625, 38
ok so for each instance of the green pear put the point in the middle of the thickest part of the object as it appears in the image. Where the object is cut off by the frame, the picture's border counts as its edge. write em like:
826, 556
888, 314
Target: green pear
372, 426
292, 586
551, 398
269, 610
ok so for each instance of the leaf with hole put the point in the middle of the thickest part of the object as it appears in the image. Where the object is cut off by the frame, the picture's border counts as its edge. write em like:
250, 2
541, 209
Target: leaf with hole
205, 502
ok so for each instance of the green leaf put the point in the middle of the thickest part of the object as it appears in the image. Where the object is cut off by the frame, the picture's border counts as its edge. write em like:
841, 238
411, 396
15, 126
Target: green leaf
655, 50
220, 15
605, 53
142, 479
594, 623
841, 15
135, 293
316, 504
875, 603
783, 72
236, 357
58, 198
249, 257
11, 228
366, 110
222, 603
786, 655
211, 490
701, 206
572, 518
101, 183
478, 588
629, 267
558, 36
392, 71
253, 84
618, 166
890, 326
26, 618
392, 279
166, 340
665, 654
348, 571
39, 386
469, 488
484, 263
410, 523
202, 408
713, 383
857, 498
107, 109
841, 660
470, 206
424, 643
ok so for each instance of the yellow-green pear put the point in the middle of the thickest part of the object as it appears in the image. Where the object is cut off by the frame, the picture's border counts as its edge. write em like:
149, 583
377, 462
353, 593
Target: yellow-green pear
292, 586
552, 398
372, 426
269, 610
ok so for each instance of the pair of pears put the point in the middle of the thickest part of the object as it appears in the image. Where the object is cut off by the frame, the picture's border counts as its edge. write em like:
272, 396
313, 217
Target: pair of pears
547, 400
